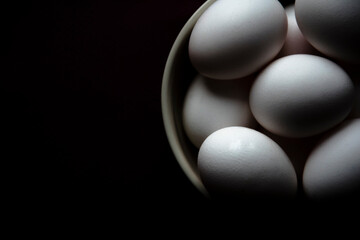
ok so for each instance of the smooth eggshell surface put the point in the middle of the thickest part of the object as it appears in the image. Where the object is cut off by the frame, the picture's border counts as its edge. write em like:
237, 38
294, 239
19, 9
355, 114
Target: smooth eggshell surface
233, 39
242, 162
213, 104
331, 26
301, 95
333, 168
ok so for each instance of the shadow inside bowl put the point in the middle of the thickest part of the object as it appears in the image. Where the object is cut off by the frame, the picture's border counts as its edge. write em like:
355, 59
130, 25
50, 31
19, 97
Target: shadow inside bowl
178, 74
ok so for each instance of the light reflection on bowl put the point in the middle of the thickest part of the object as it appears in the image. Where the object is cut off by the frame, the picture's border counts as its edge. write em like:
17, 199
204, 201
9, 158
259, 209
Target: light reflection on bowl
177, 76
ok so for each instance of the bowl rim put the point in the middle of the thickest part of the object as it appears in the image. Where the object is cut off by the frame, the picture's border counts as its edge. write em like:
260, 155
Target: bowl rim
167, 107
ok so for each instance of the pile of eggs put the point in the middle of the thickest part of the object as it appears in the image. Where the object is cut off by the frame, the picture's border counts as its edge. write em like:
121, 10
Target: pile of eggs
275, 105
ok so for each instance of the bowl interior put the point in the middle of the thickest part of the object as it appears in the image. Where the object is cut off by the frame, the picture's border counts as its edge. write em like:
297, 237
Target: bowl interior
177, 76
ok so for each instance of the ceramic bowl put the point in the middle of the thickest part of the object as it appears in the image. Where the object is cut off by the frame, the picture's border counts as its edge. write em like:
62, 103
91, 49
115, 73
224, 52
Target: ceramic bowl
177, 76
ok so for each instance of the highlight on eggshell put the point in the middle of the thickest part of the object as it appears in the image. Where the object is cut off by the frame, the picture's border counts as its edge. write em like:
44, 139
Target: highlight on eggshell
301, 95
233, 39
244, 163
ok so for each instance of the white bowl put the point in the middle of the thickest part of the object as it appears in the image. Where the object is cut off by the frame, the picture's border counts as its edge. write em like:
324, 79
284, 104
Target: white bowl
177, 76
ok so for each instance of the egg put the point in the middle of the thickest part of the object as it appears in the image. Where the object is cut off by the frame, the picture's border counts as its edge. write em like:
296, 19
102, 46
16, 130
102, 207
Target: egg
332, 170
213, 104
240, 162
301, 95
295, 42
233, 39
331, 26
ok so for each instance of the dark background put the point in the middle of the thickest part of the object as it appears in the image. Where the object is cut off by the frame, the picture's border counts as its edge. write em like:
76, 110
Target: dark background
81, 90
81, 104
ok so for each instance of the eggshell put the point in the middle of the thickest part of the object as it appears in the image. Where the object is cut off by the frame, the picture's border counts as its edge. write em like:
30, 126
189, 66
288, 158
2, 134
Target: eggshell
233, 38
295, 42
301, 95
333, 168
354, 72
213, 104
331, 26
242, 162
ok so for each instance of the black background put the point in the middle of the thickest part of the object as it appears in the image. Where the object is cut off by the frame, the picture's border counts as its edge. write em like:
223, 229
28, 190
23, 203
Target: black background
81, 104
81, 92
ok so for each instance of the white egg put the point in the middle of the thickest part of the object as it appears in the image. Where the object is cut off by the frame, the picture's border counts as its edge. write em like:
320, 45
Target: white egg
333, 168
301, 95
233, 38
331, 26
295, 42
242, 162
213, 104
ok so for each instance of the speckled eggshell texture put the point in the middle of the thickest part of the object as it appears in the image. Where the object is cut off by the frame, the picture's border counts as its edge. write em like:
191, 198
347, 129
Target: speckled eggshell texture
242, 162
301, 95
233, 39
